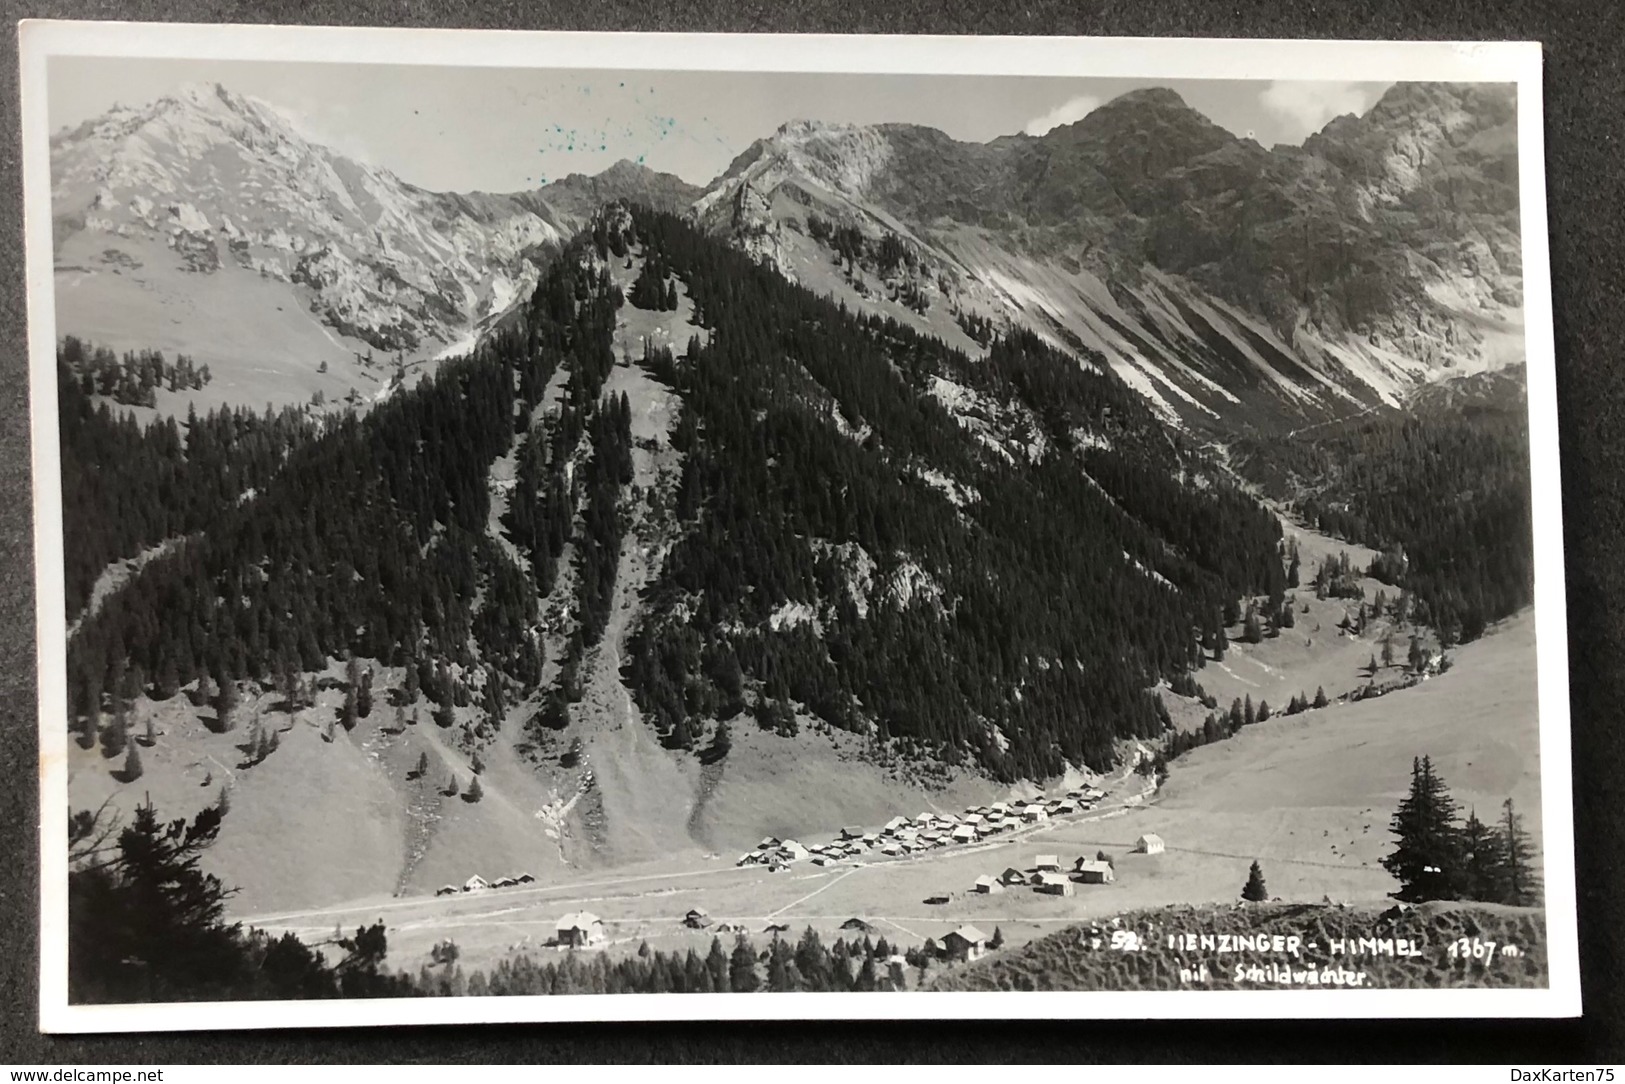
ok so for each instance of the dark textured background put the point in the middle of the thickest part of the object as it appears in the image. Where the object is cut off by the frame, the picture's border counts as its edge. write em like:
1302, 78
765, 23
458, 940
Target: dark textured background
1585, 120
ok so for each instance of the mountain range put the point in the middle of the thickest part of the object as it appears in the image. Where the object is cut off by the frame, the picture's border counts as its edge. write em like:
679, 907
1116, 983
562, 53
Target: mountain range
1226, 282
876, 470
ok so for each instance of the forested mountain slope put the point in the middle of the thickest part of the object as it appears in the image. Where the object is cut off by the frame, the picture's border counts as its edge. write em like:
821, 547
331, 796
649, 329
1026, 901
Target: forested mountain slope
989, 560
986, 561
1442, 491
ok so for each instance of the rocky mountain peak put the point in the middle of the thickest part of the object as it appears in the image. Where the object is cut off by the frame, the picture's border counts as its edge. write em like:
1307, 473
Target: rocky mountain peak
1214, 274
1153, 126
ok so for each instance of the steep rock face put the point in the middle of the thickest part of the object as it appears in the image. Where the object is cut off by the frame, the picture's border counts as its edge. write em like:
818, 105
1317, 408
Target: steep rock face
228, 186
206, 223
1223, 280
1228, 283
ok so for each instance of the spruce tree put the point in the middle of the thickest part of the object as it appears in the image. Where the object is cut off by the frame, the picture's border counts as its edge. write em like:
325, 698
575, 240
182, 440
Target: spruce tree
742, 967
1320, 696
115, 734
1426, 860
812, 961
225, 704
997, 941
780, 968
1522, 876
1254, 891
1483, 862
717, 967
475, 791
132, 763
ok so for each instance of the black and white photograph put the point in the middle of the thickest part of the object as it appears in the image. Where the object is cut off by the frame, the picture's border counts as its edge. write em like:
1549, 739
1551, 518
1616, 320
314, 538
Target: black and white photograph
1046, 527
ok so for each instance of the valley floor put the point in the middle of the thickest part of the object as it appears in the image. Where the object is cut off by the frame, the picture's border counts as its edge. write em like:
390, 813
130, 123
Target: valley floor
336, 829
1309, 796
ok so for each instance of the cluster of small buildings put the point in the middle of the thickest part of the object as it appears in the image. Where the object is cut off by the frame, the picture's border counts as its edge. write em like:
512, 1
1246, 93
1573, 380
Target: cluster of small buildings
1047, 875
901, 836
698, 918
477, 883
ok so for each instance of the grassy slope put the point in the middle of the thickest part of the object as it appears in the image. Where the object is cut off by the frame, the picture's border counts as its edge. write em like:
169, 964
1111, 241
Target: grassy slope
316, 819
815, 782
322, 822
1310, 796
1312, 654
267, 350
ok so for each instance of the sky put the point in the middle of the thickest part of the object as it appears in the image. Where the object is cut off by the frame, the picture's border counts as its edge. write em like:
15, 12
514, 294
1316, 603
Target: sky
503, 130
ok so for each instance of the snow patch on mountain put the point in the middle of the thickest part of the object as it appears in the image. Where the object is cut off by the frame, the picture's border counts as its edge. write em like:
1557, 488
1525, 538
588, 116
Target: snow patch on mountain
230, 186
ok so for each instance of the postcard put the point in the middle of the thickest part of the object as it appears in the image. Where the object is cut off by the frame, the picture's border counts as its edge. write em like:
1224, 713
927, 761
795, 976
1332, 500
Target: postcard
540, 526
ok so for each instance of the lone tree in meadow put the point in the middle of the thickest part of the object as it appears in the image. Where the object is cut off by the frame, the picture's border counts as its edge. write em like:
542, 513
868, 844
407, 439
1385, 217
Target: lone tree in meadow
1426, 859
132, 763
225, 704
475, 792
116, 733
1254, 891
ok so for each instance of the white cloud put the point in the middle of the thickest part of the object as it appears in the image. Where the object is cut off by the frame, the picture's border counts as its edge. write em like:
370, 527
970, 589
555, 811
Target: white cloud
1304, 108
1073, 109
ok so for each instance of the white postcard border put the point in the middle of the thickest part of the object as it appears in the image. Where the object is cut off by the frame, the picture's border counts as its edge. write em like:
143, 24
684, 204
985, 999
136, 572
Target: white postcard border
1185, 58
